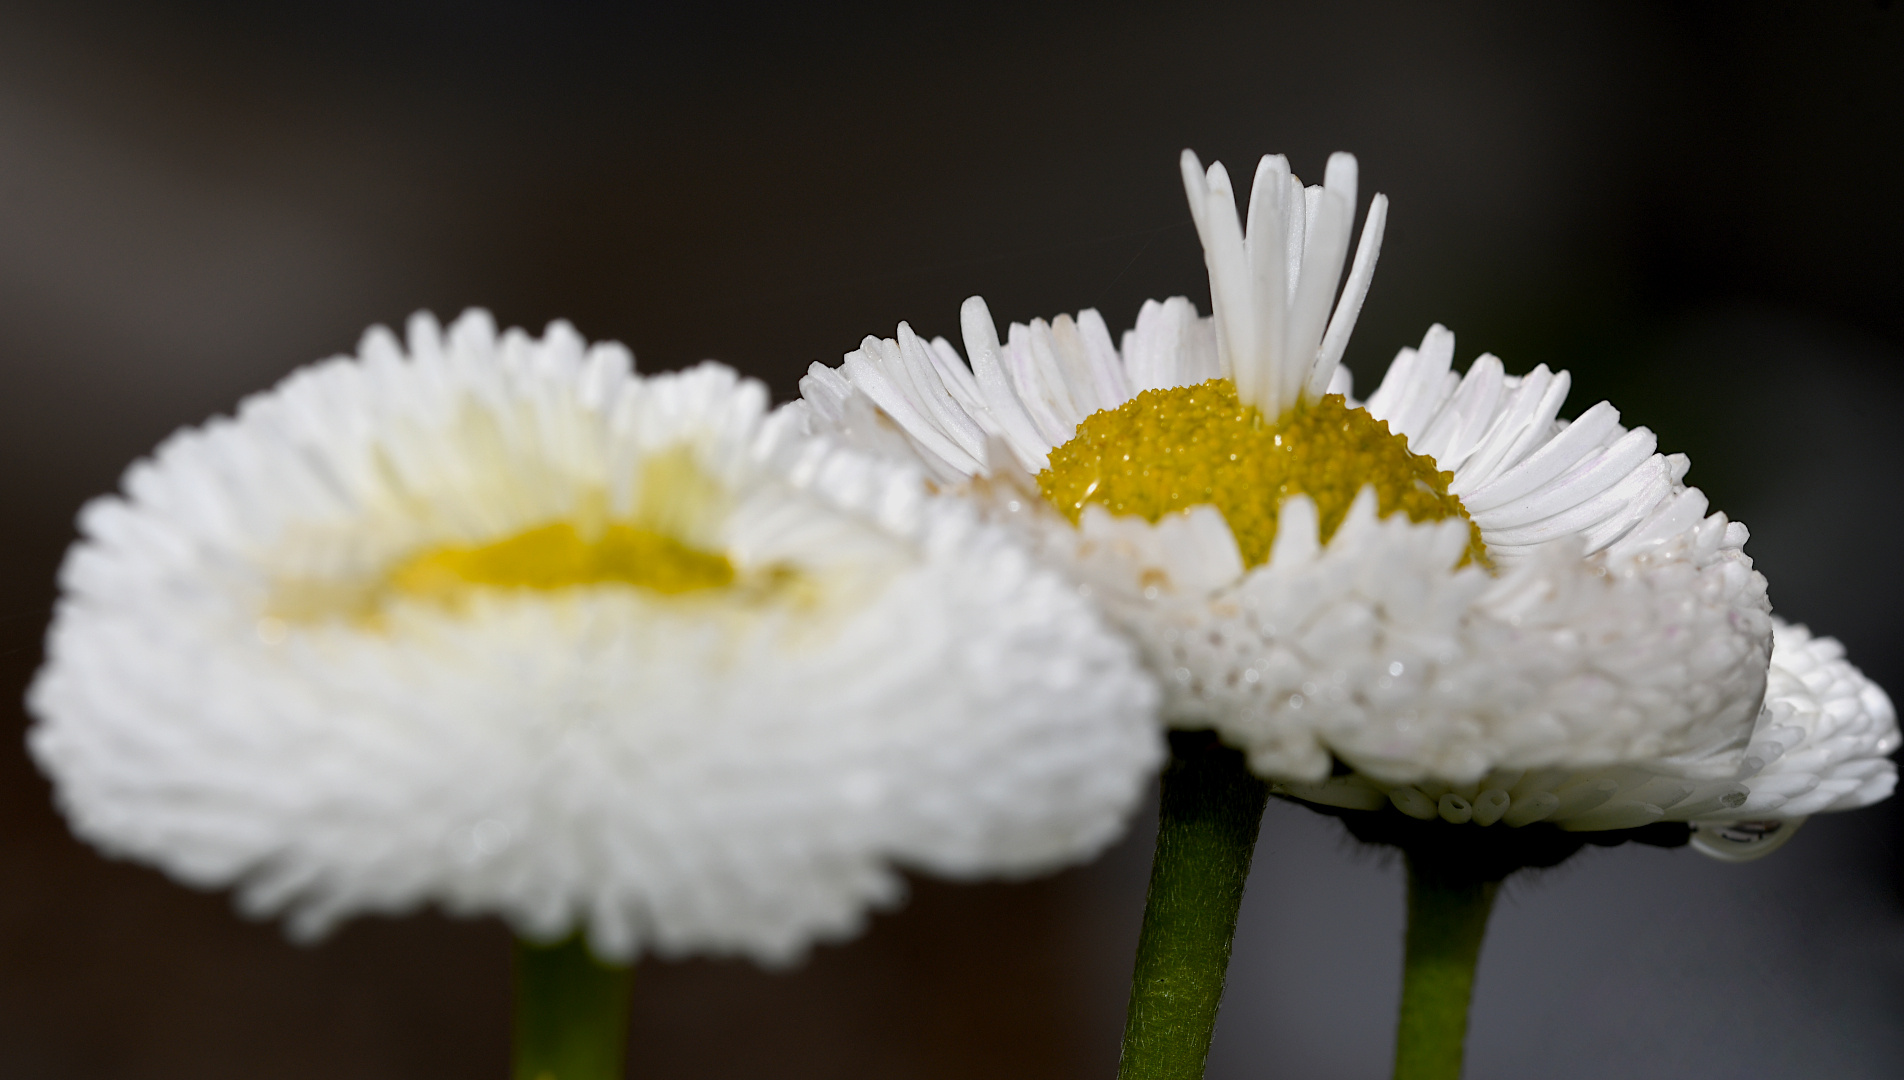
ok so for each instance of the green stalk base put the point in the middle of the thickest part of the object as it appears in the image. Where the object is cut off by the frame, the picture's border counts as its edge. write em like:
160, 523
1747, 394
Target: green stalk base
571, 1013
1453, 873
1206, 834
1447, 916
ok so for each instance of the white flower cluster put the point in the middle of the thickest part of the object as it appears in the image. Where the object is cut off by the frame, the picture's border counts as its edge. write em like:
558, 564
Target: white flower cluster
495, 623
1621, 627
244, 688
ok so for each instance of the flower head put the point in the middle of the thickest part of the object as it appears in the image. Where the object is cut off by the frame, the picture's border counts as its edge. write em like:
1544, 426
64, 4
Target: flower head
1484, 612
495, 623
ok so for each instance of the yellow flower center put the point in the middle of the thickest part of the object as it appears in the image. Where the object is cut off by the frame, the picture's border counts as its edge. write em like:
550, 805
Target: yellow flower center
649, 548
654, 544
1165, 451
558, 556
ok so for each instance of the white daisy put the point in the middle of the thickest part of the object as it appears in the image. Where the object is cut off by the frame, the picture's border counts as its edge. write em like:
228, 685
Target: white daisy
496, 624
1554, 629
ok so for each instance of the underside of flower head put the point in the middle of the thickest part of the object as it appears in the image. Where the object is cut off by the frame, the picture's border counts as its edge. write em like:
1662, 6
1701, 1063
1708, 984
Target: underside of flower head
491, 622
1551, 602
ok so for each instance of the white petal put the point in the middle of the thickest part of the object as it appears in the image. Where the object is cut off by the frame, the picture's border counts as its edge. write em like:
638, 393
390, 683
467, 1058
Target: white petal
981, 345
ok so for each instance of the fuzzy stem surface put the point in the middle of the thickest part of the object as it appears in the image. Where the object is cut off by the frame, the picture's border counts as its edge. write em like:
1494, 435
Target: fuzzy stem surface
1211, 810
571, 1019
1447, 917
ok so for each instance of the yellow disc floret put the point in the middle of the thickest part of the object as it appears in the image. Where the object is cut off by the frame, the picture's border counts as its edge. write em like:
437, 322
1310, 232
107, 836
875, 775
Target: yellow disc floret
658, 541
1165, 451
558, 556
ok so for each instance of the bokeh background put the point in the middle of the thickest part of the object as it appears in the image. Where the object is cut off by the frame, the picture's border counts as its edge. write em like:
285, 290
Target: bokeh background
1692, 206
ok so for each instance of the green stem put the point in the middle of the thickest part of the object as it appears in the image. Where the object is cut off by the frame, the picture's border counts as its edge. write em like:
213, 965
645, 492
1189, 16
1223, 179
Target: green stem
571, 1013
1206, 832
1447, 916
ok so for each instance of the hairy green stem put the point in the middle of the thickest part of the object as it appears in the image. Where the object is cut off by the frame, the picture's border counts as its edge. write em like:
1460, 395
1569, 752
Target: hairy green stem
1447, 916
1206, 833
571, 1013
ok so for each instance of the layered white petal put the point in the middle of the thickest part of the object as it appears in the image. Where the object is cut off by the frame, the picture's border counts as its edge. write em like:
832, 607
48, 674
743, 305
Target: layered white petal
1378, 650
889, 682
1280, 331
1821, 741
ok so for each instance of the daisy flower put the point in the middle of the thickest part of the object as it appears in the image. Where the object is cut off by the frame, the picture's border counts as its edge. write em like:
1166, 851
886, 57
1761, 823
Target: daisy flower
493, 623
1442, 604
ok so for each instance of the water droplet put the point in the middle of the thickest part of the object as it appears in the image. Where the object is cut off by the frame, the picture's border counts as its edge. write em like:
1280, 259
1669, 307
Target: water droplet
1740, 841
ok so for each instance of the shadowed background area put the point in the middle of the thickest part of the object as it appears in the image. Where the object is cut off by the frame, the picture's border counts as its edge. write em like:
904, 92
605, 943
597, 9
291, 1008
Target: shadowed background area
1692, 207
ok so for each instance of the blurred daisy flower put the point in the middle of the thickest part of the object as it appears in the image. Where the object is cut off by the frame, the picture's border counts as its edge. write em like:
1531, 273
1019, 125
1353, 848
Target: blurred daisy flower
494, 623
1443, 603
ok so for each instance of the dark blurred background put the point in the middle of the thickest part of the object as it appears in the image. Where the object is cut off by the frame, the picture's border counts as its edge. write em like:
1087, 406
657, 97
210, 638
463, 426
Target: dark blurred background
1692, 206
